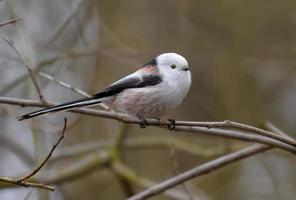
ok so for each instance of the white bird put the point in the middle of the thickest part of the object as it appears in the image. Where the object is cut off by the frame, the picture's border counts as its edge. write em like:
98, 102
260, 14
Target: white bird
152, 91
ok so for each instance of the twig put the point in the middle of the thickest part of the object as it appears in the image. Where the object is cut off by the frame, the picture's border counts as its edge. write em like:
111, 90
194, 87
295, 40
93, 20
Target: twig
131, 176
176, 169
63, 84
240, 126
127, 119
19, 80
27, 183
202, 169
29, 194
115, 151
22, 181
18, 149
142, 143
34, 80
47, 157
68, 86
201, 126
239, 136
275, 129
12, 21
64, 24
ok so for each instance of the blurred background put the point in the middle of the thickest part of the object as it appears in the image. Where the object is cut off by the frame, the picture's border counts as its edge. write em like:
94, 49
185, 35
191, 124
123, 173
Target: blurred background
242, 57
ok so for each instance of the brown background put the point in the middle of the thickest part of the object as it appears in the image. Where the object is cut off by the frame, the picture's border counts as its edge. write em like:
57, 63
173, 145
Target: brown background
242, 56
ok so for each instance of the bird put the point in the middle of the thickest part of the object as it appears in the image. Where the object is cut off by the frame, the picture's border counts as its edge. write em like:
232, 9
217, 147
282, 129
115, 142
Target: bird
153, 90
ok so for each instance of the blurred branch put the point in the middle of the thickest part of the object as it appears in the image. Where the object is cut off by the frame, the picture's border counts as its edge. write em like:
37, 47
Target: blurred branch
67, 21
66, 85
177, 170
270, 126
116, 151
95, 161
81, 168
130, 175
63, 84
239, 126
34, 80
23, 77
48, 156
202, 169
15, 147
165, 124
27, 183
22, 181
29, 194
12, 21
144, 142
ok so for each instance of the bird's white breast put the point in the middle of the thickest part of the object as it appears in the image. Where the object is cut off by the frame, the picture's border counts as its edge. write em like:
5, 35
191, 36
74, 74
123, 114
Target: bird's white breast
154, 101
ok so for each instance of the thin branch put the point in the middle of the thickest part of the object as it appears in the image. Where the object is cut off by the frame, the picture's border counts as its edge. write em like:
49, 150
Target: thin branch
66, 22
199, 130
34, 80
29, 194
65, 85
12, 21
22, 181
116, 153
144, 142
47, 157
27, 183
275, 129
87, 165
68, 86
240, 126
19, 80
18, 149
131, 176
239, 136
200, 170
177, 170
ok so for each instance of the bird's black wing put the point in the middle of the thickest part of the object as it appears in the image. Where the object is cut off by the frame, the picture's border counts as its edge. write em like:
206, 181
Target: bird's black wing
122, 84
128, 83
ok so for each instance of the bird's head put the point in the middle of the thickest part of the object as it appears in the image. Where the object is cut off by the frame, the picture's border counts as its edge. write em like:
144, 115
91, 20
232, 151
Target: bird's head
173, 64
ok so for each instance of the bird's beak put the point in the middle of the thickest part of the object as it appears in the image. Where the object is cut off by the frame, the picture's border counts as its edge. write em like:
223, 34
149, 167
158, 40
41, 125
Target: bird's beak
185, 69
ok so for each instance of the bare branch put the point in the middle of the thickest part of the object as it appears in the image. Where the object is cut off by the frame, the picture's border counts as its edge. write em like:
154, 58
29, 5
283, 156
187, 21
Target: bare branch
200, 170
240, 126
275, 129
27, 183
47, 157
199, 130
239, 136
142, 143
12, 21
177, 170
68, 86
22, 181
34, 80
63, 84
131, 176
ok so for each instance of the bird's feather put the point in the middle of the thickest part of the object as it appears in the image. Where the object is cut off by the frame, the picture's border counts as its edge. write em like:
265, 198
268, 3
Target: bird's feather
124, 83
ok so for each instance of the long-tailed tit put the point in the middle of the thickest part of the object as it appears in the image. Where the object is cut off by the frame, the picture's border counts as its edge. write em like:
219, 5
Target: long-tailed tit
150, 92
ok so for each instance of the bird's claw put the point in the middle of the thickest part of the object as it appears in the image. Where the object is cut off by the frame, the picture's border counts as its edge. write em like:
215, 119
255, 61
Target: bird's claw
172, 125
143, 122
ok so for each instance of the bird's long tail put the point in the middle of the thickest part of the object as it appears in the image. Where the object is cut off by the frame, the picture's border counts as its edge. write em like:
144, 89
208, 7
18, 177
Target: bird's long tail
62, 107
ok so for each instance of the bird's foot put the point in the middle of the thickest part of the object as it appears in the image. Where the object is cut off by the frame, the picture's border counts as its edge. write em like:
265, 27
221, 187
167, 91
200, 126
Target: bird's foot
172, 125
143, 123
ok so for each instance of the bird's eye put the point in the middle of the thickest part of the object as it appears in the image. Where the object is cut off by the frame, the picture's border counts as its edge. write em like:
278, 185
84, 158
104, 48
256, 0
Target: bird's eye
173, 66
